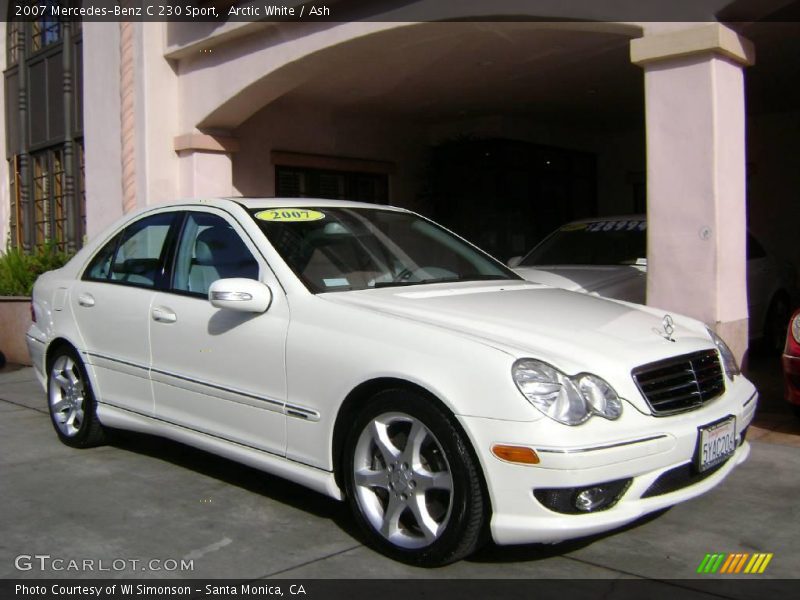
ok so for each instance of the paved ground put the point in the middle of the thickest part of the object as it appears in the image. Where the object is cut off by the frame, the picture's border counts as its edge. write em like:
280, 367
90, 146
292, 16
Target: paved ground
143, 498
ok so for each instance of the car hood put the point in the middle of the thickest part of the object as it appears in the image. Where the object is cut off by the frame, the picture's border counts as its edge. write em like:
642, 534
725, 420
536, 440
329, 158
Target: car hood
624, 282
574, 332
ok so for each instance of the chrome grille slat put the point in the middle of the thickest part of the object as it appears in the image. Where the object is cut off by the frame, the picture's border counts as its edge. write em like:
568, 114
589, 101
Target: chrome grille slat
671, 376
681, 383
668, 390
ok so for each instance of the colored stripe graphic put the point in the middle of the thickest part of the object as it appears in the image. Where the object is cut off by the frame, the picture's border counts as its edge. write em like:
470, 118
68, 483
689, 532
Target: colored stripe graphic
739, 562
758, 563
728, 563
704, 564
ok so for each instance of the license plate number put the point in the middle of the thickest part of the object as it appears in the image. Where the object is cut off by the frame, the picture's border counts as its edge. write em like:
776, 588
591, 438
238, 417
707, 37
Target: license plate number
717, 443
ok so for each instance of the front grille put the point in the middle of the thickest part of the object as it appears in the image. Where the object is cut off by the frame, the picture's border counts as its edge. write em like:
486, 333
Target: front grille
681, 383
677, 479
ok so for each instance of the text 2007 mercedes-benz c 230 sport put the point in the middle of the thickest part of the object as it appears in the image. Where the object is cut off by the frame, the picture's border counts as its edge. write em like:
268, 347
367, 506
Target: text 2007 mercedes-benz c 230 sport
370, 354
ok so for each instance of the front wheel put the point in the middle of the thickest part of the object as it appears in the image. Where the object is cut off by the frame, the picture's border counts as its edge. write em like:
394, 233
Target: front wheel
71, 402
412, 482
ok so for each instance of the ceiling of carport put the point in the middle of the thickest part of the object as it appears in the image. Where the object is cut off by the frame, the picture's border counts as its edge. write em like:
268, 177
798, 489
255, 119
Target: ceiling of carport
436, 71
580, 78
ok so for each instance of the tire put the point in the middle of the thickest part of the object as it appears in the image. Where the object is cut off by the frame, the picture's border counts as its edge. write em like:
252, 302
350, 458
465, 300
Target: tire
71, 402
776, 323
412, 481
796, 410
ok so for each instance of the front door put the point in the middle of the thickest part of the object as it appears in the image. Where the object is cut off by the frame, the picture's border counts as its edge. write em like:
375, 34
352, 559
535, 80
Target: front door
218, 371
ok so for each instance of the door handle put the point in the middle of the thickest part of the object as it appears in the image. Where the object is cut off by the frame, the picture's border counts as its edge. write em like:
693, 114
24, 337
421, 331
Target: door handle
164, 315
86, 300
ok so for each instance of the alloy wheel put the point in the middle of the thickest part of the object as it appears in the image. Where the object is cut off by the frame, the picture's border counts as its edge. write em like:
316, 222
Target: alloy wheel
67, 396
403, 481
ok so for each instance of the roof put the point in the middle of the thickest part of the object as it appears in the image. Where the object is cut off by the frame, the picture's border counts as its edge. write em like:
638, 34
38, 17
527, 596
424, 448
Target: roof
256, 203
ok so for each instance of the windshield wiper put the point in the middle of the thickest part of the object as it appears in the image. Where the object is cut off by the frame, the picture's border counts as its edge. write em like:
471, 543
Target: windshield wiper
475, 277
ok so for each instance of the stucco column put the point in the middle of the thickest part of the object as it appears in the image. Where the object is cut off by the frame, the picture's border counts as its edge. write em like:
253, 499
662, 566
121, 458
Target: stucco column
205, 165
694, 95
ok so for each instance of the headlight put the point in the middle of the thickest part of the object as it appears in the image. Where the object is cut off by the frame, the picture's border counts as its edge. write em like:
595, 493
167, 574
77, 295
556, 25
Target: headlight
562, 398
795, 327
600, 396
728, 359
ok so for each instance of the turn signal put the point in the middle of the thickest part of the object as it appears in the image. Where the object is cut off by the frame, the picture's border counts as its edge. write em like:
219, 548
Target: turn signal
515, 454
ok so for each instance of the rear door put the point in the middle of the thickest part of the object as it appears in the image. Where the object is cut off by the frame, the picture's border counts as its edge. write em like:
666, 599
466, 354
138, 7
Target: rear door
218, 371
111, 306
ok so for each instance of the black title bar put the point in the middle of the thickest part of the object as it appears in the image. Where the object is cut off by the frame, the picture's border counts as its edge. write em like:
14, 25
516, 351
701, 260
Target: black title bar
221, 11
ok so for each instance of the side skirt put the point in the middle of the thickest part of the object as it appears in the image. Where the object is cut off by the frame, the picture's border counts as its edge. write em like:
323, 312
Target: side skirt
310, 477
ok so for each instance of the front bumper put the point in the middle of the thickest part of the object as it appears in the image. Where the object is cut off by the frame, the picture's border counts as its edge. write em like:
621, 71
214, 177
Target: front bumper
637, 447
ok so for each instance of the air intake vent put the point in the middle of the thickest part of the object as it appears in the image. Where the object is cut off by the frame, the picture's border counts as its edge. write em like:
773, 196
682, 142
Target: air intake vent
681, 383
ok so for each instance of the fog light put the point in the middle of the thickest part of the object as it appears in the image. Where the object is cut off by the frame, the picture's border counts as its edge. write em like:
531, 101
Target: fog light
583, 499
588, 500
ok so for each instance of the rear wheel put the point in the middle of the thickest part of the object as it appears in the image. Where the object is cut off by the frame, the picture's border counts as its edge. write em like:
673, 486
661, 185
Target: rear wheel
71, 402
412, 482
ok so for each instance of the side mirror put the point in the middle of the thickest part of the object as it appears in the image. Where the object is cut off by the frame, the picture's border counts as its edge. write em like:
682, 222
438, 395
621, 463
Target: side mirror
239, 294
514, 261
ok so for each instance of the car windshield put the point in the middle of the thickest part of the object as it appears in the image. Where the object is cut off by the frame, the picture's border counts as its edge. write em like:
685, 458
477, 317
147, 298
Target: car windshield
618, 242
334, 249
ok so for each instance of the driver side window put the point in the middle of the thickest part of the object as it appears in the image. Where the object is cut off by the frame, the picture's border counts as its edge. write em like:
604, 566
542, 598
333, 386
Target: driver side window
210, 249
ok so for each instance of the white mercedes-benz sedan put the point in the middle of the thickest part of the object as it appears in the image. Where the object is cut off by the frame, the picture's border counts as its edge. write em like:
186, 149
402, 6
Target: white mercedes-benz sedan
371, 355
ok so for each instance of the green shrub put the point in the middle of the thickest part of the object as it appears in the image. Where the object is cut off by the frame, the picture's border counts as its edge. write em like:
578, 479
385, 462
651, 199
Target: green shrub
18, 270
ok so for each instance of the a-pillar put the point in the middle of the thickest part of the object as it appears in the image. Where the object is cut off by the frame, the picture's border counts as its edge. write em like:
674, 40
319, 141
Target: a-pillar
205, 165
695, 119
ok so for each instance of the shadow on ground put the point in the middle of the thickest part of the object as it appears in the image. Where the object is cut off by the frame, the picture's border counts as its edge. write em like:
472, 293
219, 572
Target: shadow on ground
236, 474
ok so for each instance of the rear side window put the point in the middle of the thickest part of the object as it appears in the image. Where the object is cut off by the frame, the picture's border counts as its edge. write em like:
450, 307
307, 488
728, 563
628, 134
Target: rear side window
136, 255
100, 267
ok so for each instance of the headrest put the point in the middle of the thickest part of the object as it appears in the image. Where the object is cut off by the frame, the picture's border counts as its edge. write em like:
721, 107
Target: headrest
217, 245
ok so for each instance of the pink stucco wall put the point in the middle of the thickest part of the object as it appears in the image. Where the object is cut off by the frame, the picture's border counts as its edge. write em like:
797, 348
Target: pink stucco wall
15, 318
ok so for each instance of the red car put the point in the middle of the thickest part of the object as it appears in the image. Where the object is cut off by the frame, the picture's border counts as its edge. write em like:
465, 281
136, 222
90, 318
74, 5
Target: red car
791, 363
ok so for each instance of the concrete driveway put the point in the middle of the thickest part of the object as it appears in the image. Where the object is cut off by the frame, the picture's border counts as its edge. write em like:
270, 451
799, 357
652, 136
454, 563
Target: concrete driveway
144, 499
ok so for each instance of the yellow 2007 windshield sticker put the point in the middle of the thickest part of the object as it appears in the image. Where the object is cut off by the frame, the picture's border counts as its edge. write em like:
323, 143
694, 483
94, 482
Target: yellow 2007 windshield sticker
289, 215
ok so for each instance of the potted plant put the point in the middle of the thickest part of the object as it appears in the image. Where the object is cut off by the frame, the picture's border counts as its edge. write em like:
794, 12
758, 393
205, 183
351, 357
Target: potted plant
18, 272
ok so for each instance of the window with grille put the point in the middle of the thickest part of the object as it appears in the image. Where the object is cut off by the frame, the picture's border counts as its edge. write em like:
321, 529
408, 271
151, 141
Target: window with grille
50, 214
15, 44
44, 132
44, 32
304, 182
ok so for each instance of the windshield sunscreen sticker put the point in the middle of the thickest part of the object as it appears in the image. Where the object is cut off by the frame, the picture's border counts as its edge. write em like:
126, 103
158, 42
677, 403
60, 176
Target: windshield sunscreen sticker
622, 225
337, 282
574, 226
289, 215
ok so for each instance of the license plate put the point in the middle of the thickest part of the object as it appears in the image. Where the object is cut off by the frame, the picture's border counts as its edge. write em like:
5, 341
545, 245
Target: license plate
716, 444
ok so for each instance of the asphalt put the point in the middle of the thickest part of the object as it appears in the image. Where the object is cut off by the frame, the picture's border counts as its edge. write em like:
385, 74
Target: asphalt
143, 498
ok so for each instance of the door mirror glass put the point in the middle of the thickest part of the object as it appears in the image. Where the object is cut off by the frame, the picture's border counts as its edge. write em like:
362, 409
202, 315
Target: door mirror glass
514, 261
239, 294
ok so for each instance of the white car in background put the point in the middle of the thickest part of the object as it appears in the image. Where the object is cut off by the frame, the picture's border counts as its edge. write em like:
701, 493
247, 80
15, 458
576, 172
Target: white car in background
607, 256
371, 355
